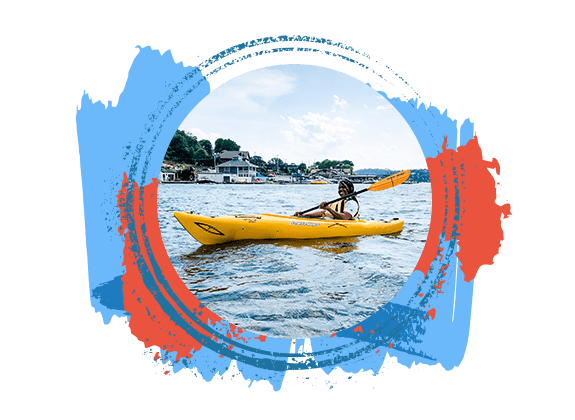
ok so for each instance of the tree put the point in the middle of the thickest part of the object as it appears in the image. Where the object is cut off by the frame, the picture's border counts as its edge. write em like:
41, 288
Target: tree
275, 163
226, 144
200, 153
207, 146
258, 161
181, 148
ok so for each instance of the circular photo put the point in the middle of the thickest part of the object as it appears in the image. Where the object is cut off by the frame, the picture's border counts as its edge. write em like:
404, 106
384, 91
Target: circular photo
294, 201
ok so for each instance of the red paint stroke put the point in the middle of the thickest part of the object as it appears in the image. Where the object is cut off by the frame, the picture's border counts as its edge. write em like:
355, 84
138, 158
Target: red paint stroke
262, 338
377, 352
479, 232
333, 335
358, 328
420, 294
390, 345
157, 356
148, 322
439, 284
431, 313
166, 372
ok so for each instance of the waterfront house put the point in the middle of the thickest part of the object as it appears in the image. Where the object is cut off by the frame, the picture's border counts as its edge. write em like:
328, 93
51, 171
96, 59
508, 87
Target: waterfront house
235, 170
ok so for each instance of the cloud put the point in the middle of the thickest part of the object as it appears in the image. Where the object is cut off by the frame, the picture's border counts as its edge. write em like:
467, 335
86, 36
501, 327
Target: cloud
383, 107
200, 134
242, 93
338, 102
318, 135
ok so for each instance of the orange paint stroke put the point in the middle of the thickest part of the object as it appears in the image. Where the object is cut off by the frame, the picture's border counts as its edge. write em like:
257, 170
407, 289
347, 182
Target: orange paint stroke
478, 228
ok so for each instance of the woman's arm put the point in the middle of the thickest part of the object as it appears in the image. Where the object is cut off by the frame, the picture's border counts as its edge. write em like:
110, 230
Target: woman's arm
314, 214
336, 215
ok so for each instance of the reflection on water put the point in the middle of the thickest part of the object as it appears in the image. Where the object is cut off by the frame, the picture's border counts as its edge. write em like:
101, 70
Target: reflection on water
294, 288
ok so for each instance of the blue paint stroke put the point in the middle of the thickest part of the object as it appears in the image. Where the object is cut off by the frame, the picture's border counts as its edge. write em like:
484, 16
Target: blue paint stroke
123, 139
110, 294
133, 137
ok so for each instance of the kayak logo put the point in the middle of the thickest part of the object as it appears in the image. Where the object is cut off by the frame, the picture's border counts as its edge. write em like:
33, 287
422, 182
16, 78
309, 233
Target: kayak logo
209, 229
337, 224
304, 223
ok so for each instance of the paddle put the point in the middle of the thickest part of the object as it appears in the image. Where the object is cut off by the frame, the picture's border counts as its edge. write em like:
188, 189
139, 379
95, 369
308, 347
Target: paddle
389, 182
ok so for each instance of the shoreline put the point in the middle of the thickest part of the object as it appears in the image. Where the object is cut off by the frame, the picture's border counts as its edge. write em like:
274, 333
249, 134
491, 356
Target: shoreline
265, 183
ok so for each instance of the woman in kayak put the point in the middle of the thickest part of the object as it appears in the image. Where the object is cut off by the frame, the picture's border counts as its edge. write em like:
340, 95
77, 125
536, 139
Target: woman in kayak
343, 209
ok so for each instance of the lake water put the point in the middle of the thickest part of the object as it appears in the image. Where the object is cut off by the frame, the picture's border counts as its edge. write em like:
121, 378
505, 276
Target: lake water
294, 289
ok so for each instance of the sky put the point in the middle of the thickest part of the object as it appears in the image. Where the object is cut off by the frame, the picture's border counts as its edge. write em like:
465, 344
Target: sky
303, 113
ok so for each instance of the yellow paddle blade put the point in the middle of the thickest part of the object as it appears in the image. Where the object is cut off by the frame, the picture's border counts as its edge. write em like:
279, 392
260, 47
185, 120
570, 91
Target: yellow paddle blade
390, 182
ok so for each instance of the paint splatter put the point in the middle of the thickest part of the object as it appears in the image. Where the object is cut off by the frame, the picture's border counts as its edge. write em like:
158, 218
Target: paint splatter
476, 222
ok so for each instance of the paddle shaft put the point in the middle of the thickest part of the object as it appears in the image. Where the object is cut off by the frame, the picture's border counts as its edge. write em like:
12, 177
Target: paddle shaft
337, 199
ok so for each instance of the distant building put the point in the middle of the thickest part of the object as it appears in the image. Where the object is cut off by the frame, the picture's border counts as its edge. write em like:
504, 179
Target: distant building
292, 167
331, 173
168, 175
358, 179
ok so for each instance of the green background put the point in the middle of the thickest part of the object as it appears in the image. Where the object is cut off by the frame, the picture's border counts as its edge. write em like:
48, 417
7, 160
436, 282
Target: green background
503, 65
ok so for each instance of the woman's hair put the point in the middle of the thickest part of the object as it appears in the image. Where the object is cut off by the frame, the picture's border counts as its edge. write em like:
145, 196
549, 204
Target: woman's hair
348, 185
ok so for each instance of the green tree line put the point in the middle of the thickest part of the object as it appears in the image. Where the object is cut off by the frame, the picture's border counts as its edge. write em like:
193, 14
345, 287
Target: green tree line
185, 148
340, 164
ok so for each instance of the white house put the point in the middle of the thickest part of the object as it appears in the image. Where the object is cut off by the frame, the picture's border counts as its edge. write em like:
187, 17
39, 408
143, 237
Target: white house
235, 170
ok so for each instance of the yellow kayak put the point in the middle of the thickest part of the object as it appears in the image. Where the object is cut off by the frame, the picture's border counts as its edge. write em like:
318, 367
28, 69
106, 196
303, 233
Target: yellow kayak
222, 229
